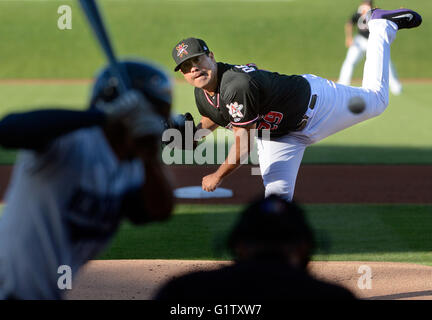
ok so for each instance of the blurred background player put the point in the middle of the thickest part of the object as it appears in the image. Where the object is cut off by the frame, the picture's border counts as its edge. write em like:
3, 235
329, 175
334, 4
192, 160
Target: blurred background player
357, 46
271, 244
80, 173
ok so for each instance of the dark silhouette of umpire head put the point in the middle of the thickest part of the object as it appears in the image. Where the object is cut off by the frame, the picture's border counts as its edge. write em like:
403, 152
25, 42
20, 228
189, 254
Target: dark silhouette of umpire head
272, 229
271, 243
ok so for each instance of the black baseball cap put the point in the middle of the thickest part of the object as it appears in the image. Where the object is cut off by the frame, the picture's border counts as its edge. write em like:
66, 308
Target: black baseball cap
188, 48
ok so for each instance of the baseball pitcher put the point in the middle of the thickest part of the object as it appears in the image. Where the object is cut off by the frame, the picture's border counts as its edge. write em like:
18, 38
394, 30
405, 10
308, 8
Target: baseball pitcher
298, 110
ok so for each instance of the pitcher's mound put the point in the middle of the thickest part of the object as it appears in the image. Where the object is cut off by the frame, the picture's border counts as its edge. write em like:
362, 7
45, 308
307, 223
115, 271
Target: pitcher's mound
139, 279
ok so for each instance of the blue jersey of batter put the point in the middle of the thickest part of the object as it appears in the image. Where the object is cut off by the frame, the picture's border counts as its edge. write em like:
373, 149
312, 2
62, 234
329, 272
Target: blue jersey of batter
62, 207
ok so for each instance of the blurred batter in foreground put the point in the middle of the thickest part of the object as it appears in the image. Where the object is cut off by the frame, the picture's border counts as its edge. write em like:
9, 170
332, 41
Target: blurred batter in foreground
78, 175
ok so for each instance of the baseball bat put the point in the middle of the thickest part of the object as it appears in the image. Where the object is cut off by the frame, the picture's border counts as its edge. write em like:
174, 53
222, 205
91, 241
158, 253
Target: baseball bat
96, 22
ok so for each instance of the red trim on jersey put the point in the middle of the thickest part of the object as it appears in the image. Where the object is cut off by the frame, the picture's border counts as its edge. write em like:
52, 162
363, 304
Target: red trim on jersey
210, 100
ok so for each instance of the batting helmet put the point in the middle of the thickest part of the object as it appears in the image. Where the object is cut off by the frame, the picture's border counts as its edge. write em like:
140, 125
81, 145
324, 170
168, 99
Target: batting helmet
150, 80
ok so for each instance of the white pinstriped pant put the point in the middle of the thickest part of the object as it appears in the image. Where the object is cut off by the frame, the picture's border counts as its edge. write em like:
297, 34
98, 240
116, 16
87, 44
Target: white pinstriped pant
280, 158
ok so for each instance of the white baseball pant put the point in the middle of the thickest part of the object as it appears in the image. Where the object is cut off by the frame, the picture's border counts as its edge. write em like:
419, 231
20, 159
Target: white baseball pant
280, 158
354, 54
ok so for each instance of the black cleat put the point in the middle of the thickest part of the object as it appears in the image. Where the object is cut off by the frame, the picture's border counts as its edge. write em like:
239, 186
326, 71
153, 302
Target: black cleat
404, 18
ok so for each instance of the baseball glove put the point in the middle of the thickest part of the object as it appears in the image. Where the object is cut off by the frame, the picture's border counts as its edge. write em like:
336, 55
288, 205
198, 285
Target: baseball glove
184, 137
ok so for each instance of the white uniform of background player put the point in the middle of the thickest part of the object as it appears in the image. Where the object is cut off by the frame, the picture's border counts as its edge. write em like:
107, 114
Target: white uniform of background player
357, 47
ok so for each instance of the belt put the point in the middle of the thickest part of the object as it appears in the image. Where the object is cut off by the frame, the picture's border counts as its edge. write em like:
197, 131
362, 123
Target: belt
303, 122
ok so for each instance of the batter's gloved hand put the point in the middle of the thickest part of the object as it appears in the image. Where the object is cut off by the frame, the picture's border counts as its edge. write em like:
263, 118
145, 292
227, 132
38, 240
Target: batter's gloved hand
135, 112
185, 126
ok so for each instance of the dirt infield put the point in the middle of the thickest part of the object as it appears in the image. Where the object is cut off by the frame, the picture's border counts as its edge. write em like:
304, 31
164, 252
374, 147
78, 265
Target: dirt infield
315, 183
140, 279
324, 183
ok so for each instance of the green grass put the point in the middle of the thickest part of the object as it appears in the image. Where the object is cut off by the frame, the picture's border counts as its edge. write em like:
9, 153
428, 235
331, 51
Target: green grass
274, 34
345, 232
301, 36
26, 97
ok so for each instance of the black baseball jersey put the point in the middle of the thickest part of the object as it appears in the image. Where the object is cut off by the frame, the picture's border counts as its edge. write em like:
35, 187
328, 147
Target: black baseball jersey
360, 21
247, 95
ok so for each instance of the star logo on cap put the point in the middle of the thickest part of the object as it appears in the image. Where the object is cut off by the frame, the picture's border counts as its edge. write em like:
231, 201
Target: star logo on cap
181, 50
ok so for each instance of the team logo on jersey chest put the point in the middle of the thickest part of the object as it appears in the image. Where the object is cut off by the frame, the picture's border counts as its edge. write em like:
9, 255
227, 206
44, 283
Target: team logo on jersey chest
181, 49
234, 110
